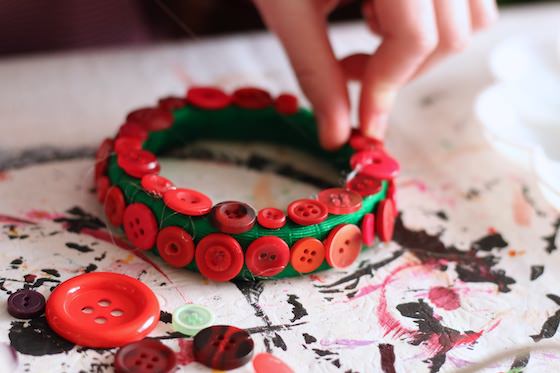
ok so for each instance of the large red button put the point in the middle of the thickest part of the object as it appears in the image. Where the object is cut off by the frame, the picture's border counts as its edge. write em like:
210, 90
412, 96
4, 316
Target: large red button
368, 229
385, 217
133, 130
286, 104
364, 185
219, 257
140, 226
271, 218
252, 98
223, 347
233, 217
307, 254
102, 187
156, 185
267, 256
343, 245
375, 163
187, 202
307, 211
145, 356
208, 98
340, 201
102, 157
124, 144
114, 206
102, 310
152, 119
172, 103
175, 246
268, 363
360, 142
138, 163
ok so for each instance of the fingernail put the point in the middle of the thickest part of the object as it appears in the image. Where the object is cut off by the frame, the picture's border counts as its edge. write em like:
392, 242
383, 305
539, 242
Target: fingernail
377, 126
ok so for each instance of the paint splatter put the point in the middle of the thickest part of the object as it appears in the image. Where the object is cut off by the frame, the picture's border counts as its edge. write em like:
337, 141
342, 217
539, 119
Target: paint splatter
536, 271
444, 298
551, 244
36, 338
387, 354
550, 326
78, 247
297, 308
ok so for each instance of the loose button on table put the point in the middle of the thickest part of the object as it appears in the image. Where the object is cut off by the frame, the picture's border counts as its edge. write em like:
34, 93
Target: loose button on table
26, 304
219, 257
368, 229
223, 347
385, 216
175, 246
271, 218
102, 310
364, 185
156, 185
267, 256
307, 211
307, 254
343, 245
208, 98
145, 356
375, 163
268, 363
233, 217
189, 319
151, 119
340, 201
187, 201
114, 206
138, 163
140, 226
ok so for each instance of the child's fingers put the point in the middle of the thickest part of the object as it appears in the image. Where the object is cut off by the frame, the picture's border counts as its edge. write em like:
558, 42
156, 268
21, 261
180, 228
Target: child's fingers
483, 13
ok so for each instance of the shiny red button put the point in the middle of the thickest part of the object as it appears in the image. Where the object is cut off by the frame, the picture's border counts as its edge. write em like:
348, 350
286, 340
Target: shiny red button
145, 356
343, 245
175, 246
233, 217
172, 103
252, 98
140, 226
307, 211
208, 98
219, 257
364, 185
307, 254
187, 202
286, 104
124, 144
152, 119
340, 201
133, 130
102, 187
156, 185
271, 218
267, 256
360, 142
368, 229
375, 163
385, 216
102, 310
268, 363
114, 206
138, 163
102, 157
223, 347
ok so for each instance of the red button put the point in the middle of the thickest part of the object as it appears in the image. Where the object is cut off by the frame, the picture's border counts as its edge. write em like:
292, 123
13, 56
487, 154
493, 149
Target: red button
267, 363
392, 193
146, 356
343, 245
102, 186
140, 226
208, 98
133, 130
138, 163
375, 163
307, 211
307, 254
233, 217
267, 256
152, 119
156, 185
102, 310
114, 206
271, 218
102, 157
223, 347
187, 202
124, 144
368, 229
385, 216
175, 246
286, 104
340, 201
360, 142
364, 185
219, 257
252, 98
172, 103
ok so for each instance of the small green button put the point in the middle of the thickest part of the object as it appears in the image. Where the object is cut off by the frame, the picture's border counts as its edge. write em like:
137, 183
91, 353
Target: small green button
189, 319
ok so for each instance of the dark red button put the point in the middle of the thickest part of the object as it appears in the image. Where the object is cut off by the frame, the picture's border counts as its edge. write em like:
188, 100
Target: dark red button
375, 163
219, 257
307, 211
152, 119
140, 226
368, 229
102, 157
26, 304
267, 256
340, 201
172, 103
233, 217
187, 202
208, 98
102, 187
175, 246
114, 206
102, 310
286, 104
271, 218
385, 217
360, 142
252, 98
364, 184
156, 185
138, 163
133, 130
223, 347
124, 144
145, 356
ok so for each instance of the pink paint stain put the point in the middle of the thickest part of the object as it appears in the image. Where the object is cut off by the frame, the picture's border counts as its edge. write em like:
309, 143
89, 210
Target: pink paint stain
3, 176
349, 343
521, 209
185, 354
42, 215
445, 298
14, 220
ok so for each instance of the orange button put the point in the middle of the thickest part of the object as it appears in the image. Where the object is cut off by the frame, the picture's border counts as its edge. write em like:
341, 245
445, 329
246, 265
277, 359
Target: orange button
343, 245
307, 255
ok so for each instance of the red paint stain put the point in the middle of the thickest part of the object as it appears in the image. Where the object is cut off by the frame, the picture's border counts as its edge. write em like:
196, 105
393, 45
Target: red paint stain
13, 220
3, 176
316, 278
185, 354
42, 215
467, 339
29, 278
514, 253
445, 298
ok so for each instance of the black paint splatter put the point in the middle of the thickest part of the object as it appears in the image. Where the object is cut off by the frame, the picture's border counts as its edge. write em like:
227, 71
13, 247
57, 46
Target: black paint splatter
551, 239
165, 317
550, 326
51, 271
297, 308
79, 219
80, 248
387, 354
536, 271
101, 257
90, 268
309, 338
16, 263
36, 338
520, 362
490, 242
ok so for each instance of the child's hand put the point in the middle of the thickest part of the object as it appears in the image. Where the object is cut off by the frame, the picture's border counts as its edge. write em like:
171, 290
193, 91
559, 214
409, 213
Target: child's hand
416, 34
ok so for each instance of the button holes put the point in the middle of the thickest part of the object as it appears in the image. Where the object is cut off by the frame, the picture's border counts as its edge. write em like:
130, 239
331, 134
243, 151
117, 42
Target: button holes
117, 313
314, 211
104, 302
302, 259
220, 337
143, 355
141, 231
26, 299
87, 310
341, 250
149, 366
172, 249
226, 347
155, 358
216, 344
138, 362
273, 257
313, 253
306, 251
131, 224
137, 221
135, 235
347, 242
300, 208
306, 214
100, 320
309, 260
263, 255
195, 201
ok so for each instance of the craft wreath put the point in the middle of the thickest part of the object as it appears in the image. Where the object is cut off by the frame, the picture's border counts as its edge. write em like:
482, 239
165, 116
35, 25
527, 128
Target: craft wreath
230, 239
